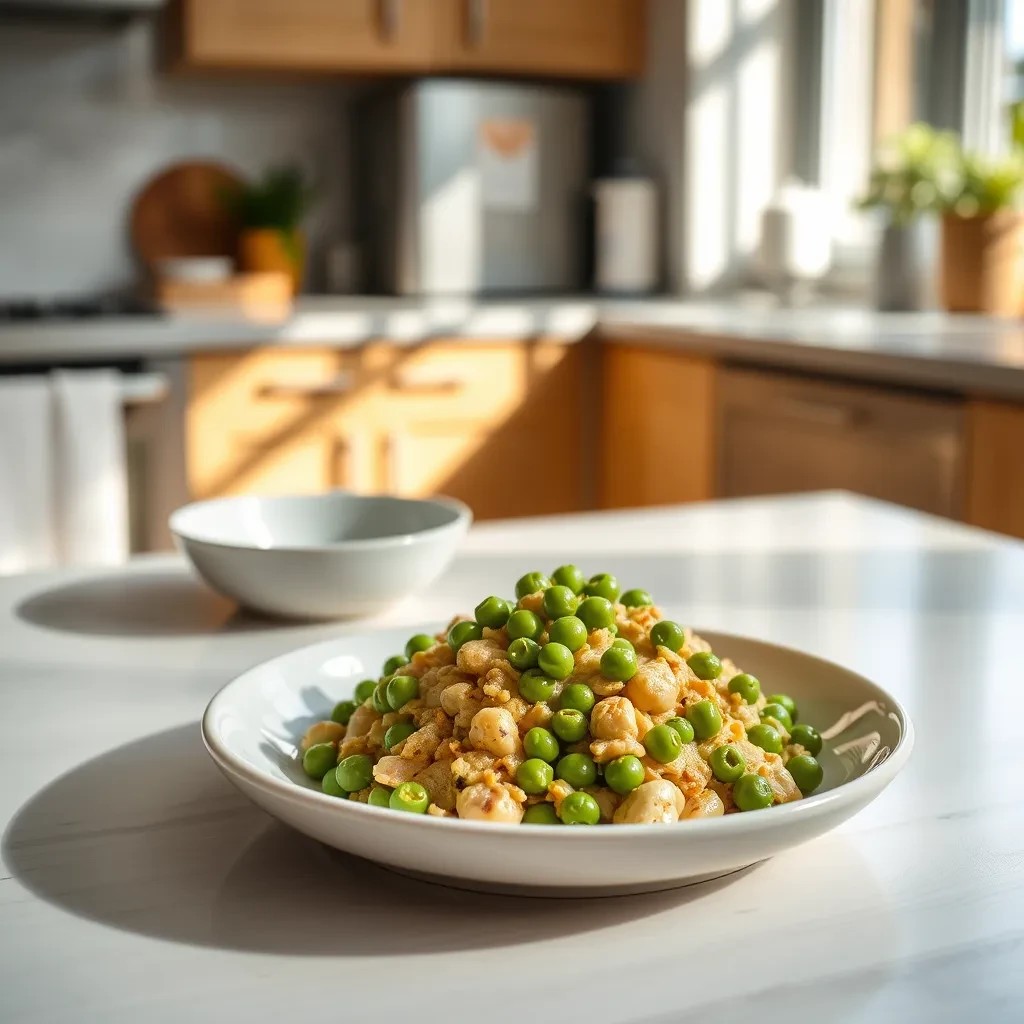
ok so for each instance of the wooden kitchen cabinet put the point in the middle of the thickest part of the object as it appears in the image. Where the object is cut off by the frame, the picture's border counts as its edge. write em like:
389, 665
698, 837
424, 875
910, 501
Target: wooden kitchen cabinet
559, 38
495, 424
566, 38
658, 426
304, 35
995, 466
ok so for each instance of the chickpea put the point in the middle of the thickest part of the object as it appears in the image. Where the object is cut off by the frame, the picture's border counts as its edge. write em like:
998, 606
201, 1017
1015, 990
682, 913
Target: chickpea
613, 719
322, 732
652, 803
483, 802
494, 730
653, 688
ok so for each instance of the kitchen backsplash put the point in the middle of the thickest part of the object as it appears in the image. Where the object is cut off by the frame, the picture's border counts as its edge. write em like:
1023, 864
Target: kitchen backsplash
85, 120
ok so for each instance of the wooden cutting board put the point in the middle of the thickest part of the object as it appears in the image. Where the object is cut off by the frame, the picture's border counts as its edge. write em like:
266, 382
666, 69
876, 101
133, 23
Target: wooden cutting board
180, 212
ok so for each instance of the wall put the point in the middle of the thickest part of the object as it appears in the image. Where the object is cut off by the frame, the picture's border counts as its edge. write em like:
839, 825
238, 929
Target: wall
85, 121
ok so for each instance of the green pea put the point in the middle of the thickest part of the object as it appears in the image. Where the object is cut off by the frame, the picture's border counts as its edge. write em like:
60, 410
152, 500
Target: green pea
539, 742
705, 665
418, 643
747, 686
526, 624
534, 776
806, 735
578, 770
380, 796
705, 718
462, 633
806, 772
541, 814
343, 711
624, 774
522, 653
409, 796
569, 576
596, 612
393, 664
683, 727
397, 733
751, 793
559, 601
668, 634
621, 641
766, 737
578, 697
355, 772
604, 584
531, 583
636, 598
318, 759
663, 743
380, 698
568, 631
536, 687
569, 725
364, 690
580, 809
618, 663
493, 612
778, 713
556, 660
329, 784
401, 690
727, 763
787, 702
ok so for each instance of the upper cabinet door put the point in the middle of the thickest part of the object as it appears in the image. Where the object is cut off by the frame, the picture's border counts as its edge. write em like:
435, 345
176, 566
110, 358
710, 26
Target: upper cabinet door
305, 35
565, 38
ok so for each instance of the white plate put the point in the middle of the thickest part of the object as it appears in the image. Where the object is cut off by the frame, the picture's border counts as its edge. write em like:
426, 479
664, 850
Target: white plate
252, 726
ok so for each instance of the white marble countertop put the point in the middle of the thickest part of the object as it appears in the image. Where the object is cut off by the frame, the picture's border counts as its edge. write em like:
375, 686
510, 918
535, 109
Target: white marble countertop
138, 885
964, 354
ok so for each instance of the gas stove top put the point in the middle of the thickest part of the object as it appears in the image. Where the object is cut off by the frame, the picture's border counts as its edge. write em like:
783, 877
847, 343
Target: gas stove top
88, 308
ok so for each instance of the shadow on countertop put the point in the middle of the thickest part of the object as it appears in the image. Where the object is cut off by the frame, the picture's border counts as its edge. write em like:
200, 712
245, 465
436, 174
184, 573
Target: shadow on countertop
158, 603
150, 838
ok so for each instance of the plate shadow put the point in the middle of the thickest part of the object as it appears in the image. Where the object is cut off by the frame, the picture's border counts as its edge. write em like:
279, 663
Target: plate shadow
150, 838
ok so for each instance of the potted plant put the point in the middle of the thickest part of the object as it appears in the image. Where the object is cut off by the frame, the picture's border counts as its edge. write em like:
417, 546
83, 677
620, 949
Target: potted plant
981, 237
270, 212
915, 174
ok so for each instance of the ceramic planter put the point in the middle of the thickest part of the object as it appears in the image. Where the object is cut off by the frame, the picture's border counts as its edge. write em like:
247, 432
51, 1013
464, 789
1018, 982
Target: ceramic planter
905, 269
271, 249
980, 270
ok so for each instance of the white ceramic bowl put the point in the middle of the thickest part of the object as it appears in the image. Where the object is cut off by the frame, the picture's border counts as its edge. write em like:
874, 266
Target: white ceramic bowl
320, 556
252, 726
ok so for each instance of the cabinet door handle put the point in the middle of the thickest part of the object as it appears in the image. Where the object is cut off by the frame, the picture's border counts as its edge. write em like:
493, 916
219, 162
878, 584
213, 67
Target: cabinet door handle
393, 462
821, 412
476, 22
411, 380
390, 19
340, 385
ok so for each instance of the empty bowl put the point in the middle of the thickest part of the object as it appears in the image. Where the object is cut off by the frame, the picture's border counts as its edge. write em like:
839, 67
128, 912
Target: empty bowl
320, 556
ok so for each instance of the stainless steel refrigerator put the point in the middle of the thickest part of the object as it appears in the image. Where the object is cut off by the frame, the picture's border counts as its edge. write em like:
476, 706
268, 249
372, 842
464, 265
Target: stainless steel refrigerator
473, 187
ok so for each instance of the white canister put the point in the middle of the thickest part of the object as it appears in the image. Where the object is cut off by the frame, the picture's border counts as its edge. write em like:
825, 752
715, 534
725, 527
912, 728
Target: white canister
626, 236
796, 243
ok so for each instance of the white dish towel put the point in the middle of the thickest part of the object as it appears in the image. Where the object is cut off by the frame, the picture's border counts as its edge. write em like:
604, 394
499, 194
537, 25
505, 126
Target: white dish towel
63, 471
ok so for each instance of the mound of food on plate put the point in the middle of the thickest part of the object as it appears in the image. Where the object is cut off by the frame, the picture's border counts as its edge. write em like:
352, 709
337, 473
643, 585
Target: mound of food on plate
575, 704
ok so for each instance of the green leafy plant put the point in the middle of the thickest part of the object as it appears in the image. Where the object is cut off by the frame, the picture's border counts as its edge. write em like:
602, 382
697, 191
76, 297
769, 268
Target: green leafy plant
918, 171
989, 184
278, 200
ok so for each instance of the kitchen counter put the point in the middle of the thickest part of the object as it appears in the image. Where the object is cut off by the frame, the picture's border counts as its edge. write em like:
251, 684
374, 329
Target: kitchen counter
139, 885
928, 350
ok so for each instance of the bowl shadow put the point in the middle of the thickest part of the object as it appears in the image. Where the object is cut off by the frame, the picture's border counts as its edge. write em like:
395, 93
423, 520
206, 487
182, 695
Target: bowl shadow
157, 603
150, 838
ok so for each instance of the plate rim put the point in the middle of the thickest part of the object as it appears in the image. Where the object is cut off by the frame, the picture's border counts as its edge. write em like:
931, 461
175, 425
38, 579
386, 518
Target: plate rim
872, 781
